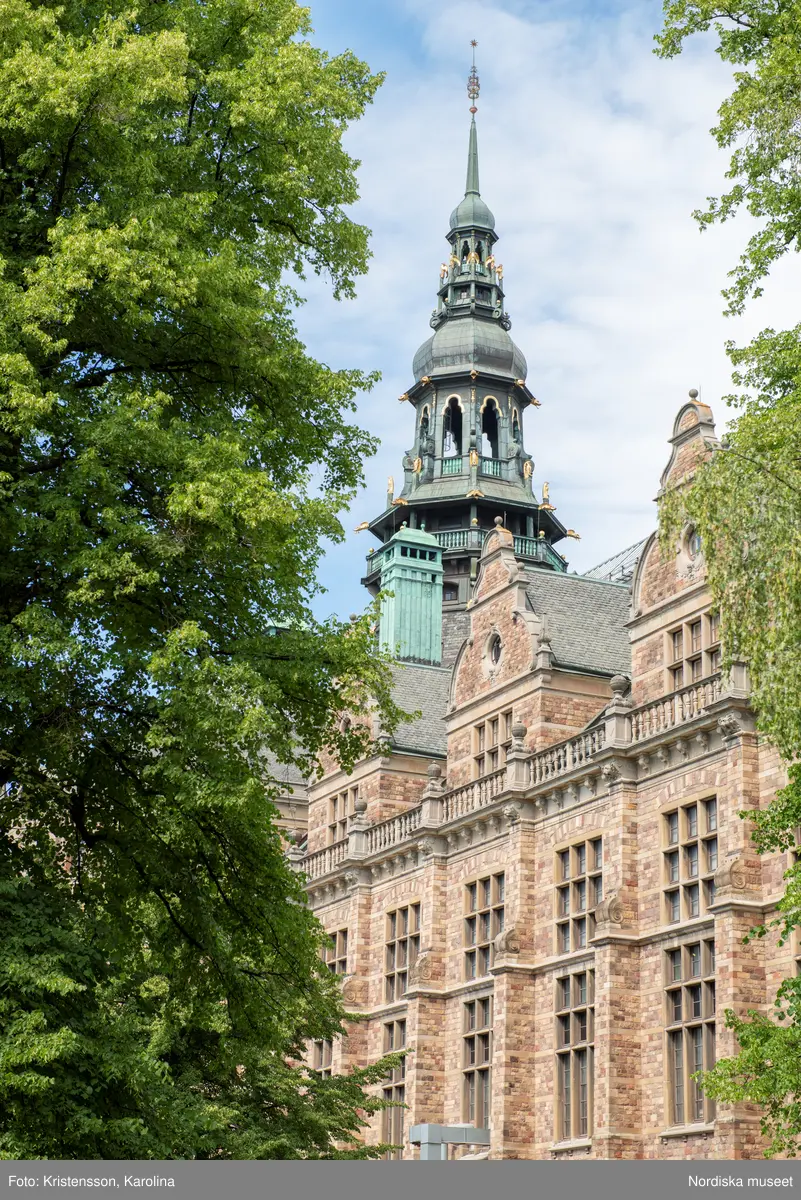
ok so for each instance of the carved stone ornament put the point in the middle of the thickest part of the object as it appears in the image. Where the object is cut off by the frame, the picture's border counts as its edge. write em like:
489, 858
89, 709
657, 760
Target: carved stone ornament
610, 911
702, 738
351, 879
512, 813
428, 847
644, 763
423, 969
354, 991
507, 942
730, 876
729, 727
610, 772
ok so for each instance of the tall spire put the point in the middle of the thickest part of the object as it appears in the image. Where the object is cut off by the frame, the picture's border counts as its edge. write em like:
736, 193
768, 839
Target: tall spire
471, 187
473, 88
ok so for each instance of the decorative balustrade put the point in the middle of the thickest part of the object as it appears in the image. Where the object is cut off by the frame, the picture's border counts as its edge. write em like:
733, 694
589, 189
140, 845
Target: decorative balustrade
540, 550
566, 756
392, 831
321, 862
491, 466
452, 466
473, 795
669, 711
647, 721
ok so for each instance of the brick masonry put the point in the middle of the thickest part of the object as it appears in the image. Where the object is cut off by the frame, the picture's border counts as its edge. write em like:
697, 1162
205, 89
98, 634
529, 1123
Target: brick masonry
623, 798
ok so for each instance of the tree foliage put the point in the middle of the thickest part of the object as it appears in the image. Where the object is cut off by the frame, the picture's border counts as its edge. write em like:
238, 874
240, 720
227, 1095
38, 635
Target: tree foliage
164, 171
746, 501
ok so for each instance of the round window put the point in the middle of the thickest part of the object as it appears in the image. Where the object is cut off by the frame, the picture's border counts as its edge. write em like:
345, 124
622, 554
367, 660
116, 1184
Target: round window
693, 543
495, 649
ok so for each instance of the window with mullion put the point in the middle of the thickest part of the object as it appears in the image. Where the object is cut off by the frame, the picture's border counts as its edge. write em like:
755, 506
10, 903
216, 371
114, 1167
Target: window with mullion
484, 919
579, 889
477, 1062
492, 740
574, 1054
689, 860
394, 1090
336, 954
401, 950
690, 1007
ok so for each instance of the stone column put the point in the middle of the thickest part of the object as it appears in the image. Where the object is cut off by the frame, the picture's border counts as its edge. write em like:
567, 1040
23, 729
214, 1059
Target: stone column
617, 1106
514, 1016
425, 1013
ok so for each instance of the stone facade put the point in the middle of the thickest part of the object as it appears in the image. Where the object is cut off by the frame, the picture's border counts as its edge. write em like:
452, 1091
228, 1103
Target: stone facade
581, 865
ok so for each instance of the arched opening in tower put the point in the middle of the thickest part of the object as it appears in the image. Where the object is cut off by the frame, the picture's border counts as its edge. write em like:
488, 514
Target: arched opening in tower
465, 251
489, 430
452, 429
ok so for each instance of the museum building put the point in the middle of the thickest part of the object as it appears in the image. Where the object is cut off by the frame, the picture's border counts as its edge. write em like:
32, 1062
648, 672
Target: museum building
541, 889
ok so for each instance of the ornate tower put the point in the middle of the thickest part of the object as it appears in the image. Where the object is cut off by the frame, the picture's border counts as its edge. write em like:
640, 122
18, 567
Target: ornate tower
468, 463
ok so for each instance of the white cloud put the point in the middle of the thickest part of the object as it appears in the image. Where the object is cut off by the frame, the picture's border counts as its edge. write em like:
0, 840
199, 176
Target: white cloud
593, 155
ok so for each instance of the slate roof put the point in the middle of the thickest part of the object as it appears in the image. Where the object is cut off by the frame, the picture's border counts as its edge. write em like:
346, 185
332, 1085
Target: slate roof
285, 774
585, 620
424, 690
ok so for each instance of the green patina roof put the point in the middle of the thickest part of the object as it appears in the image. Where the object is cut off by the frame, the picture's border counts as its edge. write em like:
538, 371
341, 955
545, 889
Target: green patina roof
472, 212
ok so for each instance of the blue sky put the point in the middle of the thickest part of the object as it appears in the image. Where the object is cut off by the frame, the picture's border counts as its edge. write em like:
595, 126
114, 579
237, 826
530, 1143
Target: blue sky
594, 154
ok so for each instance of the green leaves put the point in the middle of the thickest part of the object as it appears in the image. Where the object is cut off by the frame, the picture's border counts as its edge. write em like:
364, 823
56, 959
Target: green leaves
761, 119
161, 171
746, 500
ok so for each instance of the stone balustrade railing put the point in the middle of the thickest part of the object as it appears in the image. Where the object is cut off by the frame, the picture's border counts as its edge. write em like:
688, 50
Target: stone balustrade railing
649, 720
473, 795
566, 756
322, 862
394, 830
622, 727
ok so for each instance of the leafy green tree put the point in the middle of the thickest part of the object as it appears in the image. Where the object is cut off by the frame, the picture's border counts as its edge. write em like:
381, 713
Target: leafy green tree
164, 173
746, 502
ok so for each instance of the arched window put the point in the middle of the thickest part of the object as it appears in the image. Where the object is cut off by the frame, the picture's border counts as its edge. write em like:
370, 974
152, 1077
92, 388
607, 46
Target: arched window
489, 430
452, 429
465, 251
515, 426
424, 426
480, 251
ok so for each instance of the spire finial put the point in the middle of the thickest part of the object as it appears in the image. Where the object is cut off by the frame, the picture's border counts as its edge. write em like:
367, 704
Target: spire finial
473, 86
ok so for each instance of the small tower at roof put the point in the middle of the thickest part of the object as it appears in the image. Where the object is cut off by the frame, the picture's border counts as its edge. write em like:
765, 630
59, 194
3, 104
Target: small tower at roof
411, 614
467, 462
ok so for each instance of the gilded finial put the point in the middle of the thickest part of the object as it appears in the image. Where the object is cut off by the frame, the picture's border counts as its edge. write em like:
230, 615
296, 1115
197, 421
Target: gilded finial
473, 85
361, 526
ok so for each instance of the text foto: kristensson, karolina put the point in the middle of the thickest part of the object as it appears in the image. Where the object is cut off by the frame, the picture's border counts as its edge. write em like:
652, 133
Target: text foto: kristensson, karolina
89, 1181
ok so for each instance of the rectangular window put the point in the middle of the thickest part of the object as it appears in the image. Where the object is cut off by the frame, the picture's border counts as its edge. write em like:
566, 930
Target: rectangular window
677, 644
492, 741
574, 1050
484, 920
401, 951
322, 1053
340, 809
336, 954
575, 902
477, 1062
689, 860
394, 1090
695, 636
690, 1036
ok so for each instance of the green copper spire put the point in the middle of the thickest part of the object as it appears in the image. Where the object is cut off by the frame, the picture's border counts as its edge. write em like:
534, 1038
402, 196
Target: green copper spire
472, 212
471, 187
